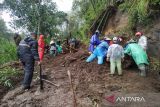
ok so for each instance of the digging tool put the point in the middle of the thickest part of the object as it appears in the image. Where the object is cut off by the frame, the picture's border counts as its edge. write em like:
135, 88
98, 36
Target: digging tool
40, 76
74, 95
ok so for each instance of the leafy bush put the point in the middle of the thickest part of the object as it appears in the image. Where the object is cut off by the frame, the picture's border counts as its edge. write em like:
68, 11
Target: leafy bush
5, 75
7, 51
154, 64
7, 54
138, 11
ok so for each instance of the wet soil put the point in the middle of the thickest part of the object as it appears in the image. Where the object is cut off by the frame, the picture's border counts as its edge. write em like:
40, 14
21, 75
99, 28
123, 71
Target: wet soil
91, 83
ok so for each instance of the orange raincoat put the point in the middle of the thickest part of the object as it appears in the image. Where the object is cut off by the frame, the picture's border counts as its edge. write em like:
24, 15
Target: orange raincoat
41, 47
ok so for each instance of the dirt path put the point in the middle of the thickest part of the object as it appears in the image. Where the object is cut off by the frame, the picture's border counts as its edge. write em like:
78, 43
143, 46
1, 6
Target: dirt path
92, 85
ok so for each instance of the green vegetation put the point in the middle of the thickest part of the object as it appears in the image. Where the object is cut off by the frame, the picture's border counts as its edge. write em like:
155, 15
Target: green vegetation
139, 11
154, 64
36, 15
5, 76
8, 51
7, 54
8, 48
85, 12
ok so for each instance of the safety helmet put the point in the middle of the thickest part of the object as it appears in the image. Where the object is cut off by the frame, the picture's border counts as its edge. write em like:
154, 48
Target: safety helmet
106, 38
97, 31
52, 42
115, 39
138, 34
120, 39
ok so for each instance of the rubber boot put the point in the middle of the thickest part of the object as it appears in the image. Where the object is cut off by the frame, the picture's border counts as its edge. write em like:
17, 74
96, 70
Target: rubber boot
142, 69
143, 73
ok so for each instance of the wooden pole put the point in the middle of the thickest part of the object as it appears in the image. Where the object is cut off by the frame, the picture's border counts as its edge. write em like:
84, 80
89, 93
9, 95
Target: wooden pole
40, 75
74, 95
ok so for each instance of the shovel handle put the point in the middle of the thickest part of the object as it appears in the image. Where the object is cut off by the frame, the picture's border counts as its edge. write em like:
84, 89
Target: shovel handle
40, 76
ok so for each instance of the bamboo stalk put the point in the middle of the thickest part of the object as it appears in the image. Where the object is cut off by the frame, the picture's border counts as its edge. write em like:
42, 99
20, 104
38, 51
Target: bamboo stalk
106, 18
102, 19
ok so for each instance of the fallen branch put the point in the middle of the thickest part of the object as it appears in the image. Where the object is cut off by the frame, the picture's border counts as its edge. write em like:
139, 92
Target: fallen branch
72, 58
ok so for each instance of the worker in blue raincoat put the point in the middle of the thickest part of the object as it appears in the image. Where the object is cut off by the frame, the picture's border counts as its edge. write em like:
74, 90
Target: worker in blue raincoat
94, 41
99, 52
139, 56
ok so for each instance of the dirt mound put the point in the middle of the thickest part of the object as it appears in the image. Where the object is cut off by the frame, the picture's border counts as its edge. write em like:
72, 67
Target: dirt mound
91, 83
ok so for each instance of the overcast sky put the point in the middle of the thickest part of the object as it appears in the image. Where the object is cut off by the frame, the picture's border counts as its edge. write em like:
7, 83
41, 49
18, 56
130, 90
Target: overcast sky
62, 5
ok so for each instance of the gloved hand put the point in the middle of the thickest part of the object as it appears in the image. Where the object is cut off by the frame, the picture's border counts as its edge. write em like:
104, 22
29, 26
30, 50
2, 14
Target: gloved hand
107, 59
122, 59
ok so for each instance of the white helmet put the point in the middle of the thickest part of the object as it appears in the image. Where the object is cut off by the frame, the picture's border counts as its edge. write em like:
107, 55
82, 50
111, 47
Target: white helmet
97, 31
115, 39
107, 38
52, 42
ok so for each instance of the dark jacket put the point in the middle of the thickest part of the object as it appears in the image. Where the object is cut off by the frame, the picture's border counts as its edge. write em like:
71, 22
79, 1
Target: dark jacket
28, 48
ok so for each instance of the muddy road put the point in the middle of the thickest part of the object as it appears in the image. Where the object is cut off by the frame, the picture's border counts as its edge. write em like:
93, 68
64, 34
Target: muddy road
91, 82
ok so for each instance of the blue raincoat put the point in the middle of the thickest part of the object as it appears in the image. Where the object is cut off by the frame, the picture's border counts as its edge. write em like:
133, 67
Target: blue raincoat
94, 41
100, 52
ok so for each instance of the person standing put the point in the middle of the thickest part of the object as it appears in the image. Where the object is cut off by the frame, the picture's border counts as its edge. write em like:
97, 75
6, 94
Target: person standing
115, 55
28, 54
59, 47
94, 41
53, 48
41, 47
142, 41
72, 45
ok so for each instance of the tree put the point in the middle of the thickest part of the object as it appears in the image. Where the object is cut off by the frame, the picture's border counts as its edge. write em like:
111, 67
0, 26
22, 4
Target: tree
4, 32
35, 15
3, 27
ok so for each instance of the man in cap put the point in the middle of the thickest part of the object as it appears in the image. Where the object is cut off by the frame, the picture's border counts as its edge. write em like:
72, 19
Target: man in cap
142, 41
28, 54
